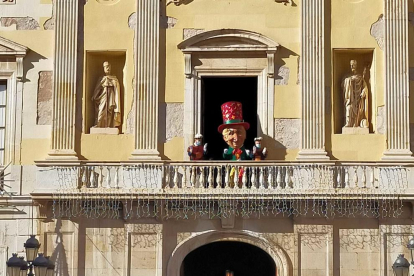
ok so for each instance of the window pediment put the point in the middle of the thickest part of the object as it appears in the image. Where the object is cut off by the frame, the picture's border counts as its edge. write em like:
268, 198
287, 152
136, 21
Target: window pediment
8, 47
228, 40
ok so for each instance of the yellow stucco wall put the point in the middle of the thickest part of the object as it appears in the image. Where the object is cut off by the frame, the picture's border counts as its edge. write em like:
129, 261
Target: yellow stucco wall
351, 23
106, 28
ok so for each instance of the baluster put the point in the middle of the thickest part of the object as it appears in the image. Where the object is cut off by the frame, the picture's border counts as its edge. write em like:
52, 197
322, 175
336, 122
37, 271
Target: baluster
253, 179
185, 177
261, 179
355, 177
287, 178
346, 178
101, 177
227, 177
167, 177
219, 179
270, 178
278, 177
338, 178
175, 177
372, 177
193, 173
84, 176
202, 179
245, 180
363, 178
108, 177
92, 177
116, 180
236, 177
210, 179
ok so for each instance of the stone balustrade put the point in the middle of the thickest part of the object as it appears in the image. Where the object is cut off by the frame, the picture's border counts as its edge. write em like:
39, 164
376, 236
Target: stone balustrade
217, 178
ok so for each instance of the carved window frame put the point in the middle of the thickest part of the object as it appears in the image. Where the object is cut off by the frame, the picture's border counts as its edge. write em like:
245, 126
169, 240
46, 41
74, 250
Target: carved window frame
14, 98
250, 43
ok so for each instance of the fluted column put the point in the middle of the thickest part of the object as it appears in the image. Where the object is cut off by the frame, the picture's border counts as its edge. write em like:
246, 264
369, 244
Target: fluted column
313, 81
64, 80
146, 76
397, 81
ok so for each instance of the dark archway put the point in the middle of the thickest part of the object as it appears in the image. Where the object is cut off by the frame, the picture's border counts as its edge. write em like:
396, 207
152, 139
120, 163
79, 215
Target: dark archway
215, 258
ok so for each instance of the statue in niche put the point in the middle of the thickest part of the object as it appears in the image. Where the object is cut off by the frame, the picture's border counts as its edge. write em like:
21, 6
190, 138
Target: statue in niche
355, 91
106, 98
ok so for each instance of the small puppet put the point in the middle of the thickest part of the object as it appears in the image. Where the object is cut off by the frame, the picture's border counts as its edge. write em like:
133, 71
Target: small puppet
198, 150
258, 153
234, 131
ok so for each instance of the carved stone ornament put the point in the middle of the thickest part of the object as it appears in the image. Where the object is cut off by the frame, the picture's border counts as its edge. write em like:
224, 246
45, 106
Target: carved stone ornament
7, 2
108, 2
286, 2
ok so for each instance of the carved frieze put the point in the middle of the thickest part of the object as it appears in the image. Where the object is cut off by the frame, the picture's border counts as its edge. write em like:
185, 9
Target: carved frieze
7, 2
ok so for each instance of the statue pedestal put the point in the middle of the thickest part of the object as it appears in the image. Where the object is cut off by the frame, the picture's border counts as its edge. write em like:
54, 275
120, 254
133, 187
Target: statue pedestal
104, 130
355, 130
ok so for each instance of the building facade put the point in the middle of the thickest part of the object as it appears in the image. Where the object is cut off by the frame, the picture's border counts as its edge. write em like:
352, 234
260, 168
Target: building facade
100, 100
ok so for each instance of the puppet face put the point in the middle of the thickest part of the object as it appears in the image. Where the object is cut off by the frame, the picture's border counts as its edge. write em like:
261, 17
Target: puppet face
234, 136
197, 142
258, 144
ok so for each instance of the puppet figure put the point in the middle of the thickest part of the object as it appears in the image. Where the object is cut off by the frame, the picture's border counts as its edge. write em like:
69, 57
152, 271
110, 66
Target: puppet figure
234, 131
259, 153
197, 151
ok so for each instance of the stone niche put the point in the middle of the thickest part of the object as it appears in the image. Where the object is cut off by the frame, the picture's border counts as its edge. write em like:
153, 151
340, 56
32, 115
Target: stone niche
93, 72
342, 69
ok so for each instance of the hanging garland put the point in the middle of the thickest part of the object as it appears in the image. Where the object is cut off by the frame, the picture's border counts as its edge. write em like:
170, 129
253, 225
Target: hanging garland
191, 191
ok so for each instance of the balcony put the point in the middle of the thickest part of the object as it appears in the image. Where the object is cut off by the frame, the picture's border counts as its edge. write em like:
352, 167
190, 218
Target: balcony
223, 189
217, 178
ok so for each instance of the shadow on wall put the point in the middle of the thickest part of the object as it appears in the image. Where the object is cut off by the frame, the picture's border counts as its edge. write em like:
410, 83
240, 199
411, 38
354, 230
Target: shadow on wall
58, 256
28, 63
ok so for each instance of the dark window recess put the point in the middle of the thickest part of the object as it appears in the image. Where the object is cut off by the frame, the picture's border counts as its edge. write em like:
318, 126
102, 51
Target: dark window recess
215, 92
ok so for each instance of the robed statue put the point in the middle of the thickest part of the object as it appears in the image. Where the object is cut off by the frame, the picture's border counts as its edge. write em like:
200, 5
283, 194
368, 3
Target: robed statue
106, 97
355, 91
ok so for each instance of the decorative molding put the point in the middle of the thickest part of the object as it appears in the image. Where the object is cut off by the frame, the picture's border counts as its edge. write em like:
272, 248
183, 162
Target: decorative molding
11, 48
64, 80
196, 240
397, 81
230, 40
188, 69
285, 2
146, 76
233, 41
313, 81
15, 101
271, 64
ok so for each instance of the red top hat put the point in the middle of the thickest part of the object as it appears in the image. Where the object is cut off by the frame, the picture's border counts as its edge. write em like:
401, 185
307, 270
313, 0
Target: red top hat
232, 116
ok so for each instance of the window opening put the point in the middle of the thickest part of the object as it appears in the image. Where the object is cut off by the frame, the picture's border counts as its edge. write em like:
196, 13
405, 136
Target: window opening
3, 97
218, 90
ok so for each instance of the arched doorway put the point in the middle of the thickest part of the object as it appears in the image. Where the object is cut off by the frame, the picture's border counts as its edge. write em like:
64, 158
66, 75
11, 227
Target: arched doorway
215, 258
196, 240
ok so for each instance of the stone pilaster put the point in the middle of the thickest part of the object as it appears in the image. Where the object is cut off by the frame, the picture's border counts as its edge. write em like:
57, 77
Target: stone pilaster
397, 81
64, 79
146, 76
313, 81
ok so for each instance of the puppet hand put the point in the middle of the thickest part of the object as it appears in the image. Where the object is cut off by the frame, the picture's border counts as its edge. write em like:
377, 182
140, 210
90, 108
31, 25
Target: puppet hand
226, 151
205, 147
